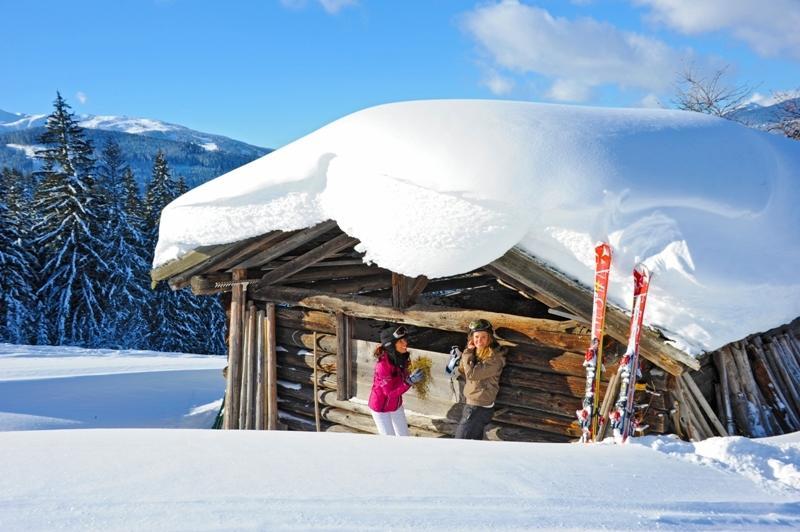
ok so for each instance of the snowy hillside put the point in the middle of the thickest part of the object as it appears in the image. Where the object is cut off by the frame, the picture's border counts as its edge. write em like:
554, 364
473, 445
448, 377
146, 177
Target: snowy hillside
443, 187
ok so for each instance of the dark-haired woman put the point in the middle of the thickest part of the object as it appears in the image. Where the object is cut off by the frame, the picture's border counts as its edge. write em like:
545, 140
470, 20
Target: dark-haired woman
390, 381
481, 364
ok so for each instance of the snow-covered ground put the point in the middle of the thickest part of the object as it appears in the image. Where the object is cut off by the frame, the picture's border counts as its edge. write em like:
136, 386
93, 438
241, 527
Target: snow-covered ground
156, 479
43, 387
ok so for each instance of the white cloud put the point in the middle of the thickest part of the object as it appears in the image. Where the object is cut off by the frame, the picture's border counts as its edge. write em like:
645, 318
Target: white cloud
766, 100
498, 84
651, 101
578, 54
770, 28
81, 96
568, 90
334, 6
331, 6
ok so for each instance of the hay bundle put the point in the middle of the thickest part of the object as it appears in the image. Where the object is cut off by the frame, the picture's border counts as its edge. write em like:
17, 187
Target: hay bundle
423, 363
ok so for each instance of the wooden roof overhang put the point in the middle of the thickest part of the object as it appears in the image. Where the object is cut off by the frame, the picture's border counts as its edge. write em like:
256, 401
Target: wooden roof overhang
318, 268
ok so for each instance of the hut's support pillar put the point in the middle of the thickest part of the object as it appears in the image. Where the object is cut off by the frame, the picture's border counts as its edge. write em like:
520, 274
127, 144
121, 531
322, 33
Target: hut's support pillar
271, 368
234, 376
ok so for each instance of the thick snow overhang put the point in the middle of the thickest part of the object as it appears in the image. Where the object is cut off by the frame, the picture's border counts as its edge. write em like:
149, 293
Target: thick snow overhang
441, 188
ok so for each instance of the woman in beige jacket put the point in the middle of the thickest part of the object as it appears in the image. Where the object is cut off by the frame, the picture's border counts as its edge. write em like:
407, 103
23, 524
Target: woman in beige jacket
481, 365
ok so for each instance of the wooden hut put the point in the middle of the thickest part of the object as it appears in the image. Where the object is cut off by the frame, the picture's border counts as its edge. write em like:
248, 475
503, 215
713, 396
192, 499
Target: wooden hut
305, 313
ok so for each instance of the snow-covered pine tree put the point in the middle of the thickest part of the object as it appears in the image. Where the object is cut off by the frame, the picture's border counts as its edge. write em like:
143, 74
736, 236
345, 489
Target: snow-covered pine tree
17, 263
202, 319
125, 289
68, 232
163, 314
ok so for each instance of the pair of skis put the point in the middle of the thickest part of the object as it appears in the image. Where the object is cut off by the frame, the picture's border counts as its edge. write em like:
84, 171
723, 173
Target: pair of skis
622, 418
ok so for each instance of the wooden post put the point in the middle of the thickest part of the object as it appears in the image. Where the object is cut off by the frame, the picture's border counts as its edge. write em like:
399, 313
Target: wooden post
272, 369
343, 372
316, 385
698, 396
244, 404
261, 418
608, 404
234, 379
719, 361
252, 364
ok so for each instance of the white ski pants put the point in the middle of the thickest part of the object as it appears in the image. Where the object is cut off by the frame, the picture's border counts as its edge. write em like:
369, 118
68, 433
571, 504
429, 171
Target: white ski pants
391, 423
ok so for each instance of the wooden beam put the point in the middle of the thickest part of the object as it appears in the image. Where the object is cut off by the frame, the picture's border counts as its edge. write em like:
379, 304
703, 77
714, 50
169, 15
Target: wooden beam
272, 368
342, 359
578, 300
416, 288
508, 326
307, 259
320, 272
211, 264
291, 243
399, 290
191, 259
234, 376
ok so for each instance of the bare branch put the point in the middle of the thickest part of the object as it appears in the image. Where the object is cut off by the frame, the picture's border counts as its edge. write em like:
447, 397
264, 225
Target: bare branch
710, 95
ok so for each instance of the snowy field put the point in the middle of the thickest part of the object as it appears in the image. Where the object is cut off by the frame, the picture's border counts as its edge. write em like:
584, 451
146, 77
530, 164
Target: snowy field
120, 477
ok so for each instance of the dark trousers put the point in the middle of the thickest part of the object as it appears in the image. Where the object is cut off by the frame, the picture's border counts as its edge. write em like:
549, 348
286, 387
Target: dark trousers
473, 420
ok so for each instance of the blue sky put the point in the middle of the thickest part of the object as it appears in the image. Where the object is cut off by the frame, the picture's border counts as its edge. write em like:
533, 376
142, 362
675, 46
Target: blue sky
270, 71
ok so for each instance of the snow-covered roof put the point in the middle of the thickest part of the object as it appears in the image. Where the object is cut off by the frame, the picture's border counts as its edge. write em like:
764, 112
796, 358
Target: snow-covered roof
443, 187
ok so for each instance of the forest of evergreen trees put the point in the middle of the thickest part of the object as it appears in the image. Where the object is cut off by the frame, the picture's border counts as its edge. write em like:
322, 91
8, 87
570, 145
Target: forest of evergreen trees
76, 244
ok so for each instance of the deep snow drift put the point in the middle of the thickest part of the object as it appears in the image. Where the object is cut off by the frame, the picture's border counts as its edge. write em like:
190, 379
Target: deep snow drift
443, 187
134, 479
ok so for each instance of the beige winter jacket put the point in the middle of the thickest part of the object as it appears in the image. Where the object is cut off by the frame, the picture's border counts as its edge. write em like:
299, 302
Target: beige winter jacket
483, 378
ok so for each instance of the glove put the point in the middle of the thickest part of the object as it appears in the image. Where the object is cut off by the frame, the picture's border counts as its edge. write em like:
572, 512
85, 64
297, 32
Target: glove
415, 376
455, 359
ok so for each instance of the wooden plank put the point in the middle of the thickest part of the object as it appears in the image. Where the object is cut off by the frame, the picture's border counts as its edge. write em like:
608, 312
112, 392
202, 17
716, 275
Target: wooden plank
578, 300
261, 377
272, 368
283, 247
342, 341
307, 259
417, 287
311, 320
234, 376
320, 272
507, 326
211, 265
698, 396
189, 260
400, 290
251, 248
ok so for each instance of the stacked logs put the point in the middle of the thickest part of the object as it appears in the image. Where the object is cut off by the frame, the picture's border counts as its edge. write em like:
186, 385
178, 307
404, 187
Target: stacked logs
759, 379
541, 387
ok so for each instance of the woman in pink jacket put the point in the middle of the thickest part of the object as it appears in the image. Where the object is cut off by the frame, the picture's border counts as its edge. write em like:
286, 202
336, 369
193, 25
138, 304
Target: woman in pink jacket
390, 381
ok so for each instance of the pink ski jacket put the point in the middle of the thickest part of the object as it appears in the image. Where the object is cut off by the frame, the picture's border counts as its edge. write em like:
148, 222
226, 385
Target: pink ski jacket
388, 386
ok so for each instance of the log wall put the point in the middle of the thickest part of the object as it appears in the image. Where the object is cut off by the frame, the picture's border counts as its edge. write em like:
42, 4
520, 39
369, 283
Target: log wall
754, 384
541, 386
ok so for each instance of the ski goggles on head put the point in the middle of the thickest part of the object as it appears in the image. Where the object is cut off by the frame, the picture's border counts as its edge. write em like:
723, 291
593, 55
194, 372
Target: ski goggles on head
400, 332
479, 325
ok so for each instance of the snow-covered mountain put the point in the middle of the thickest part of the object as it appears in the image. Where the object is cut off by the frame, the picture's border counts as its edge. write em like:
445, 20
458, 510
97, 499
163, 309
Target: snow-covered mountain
196, 155
764, 117
136, 126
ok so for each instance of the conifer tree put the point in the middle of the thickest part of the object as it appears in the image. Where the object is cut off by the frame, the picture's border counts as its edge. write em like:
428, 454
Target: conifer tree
17, 263
125, 290
163, 315
68, 235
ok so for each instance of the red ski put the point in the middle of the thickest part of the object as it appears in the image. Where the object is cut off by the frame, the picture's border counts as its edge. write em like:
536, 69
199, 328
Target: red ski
587, 416
622, 419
